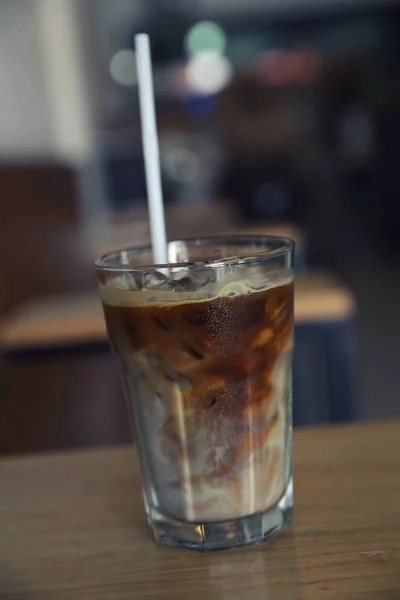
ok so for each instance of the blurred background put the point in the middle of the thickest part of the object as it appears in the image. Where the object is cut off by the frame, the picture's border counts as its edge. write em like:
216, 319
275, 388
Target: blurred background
275, 116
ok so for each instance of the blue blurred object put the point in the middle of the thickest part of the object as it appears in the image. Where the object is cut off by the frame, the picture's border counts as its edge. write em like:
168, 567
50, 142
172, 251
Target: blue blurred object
200, 106
300, 259
325, 381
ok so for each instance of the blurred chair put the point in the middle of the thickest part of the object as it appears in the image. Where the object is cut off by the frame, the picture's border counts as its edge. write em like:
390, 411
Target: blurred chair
49, 334
42, 401
39, 238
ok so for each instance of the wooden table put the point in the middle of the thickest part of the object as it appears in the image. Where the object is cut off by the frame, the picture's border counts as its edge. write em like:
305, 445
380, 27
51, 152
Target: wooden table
72, 527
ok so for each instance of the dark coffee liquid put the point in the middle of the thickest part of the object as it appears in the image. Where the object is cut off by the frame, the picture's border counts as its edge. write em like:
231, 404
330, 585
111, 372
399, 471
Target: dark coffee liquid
211, 344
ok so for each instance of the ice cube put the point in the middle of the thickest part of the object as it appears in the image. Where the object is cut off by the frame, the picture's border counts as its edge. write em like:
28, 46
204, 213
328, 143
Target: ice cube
194, 280
154, 280
179, 281
127, 281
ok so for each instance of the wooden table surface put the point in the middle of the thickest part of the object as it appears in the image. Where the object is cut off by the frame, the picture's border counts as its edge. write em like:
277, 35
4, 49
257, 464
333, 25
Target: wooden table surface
72, 527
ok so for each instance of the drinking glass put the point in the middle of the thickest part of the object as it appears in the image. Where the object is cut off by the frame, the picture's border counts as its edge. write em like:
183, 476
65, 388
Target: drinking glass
205, 349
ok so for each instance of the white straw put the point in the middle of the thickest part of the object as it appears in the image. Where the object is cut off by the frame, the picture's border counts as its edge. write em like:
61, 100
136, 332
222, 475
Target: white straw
150, 148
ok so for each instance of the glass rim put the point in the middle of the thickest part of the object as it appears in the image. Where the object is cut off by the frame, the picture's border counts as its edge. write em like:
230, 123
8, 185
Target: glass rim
284, 245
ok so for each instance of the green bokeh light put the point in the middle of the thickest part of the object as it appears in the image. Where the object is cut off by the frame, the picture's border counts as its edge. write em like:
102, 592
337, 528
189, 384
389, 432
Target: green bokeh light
205, 36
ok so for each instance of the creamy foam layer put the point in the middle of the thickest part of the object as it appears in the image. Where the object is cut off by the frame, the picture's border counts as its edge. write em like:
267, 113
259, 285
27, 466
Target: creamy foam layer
117, 294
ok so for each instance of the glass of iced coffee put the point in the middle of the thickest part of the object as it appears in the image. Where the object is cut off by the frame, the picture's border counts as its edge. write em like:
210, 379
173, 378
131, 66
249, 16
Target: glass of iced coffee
205, 347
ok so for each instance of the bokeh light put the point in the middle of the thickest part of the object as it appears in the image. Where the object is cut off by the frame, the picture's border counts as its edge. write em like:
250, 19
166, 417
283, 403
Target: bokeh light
205, 36
284, 67
123, 67
181, 164
208, 73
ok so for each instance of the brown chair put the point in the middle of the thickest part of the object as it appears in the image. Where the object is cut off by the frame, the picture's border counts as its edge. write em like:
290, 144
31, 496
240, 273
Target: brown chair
39, 240
55, 402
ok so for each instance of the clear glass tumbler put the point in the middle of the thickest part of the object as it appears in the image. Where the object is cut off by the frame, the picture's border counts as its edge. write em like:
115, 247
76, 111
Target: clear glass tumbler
205, 348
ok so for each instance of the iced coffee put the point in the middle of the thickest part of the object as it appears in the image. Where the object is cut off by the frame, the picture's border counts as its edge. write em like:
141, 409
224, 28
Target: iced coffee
207, 371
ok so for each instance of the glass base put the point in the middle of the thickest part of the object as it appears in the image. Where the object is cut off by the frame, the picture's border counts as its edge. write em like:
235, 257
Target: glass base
220, 535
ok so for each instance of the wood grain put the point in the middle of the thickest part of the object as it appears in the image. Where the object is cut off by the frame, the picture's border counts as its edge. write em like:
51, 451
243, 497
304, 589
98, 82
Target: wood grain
72, 527
79, 318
